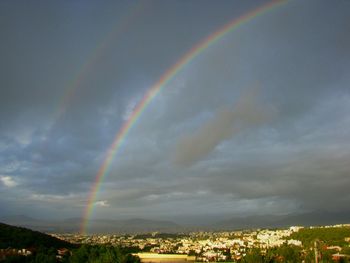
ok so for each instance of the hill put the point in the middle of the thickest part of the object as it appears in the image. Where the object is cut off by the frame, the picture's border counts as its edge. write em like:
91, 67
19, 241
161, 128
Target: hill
19, 237
205, 222
271, 221
101, 226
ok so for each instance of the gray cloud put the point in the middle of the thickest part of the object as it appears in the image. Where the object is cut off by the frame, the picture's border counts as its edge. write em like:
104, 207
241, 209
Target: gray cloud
248, 159
225, 123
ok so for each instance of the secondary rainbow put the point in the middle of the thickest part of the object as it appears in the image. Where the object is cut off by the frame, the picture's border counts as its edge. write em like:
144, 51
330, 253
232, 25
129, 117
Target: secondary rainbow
155, 89
121, 26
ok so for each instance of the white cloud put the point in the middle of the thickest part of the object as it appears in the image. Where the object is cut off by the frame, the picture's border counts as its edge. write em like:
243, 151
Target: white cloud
8, 181
102, 203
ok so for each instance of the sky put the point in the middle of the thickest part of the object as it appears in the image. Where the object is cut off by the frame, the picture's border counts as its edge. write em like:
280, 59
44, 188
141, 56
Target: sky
257, 124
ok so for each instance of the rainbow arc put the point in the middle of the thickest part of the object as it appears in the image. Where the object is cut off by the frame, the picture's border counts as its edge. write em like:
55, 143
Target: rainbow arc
156, 89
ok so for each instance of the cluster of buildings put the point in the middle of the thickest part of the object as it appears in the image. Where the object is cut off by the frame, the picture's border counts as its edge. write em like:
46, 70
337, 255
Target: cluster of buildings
13, 252
205, 246
7, 252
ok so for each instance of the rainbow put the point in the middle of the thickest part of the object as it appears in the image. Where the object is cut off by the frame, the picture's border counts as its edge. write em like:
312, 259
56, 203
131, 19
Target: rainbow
155, 89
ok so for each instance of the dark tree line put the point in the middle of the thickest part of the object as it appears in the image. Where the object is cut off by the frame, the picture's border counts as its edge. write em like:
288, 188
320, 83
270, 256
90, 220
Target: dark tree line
83, 254
20, 237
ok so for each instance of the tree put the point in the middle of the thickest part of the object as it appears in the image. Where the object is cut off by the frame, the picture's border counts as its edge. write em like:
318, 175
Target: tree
253, 256
80, 255
289, 253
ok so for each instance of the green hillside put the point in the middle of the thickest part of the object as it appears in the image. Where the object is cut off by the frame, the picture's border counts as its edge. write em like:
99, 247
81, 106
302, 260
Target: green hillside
329, 236
19, 237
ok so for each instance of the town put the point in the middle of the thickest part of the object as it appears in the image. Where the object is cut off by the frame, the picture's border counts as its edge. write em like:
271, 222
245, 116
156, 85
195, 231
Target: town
216, 246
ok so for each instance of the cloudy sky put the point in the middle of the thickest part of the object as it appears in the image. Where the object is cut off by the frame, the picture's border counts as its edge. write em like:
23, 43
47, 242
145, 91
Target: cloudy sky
258, 123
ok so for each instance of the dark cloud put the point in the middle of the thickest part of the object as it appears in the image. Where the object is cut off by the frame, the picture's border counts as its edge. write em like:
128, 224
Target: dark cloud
224, 124
282, 149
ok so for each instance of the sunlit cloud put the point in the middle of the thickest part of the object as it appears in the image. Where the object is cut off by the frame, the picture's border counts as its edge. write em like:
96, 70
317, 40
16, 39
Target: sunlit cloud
8, 181
102, 203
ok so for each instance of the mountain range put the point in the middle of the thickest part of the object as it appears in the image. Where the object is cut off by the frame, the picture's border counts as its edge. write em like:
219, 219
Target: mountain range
72, 225
136, 225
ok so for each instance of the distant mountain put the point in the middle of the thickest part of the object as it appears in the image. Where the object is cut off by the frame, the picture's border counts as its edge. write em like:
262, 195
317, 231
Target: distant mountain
15, 219
132, 226
271, 221
246, 222
32, 223
316, 218
72, 225
137, 225
19, 237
